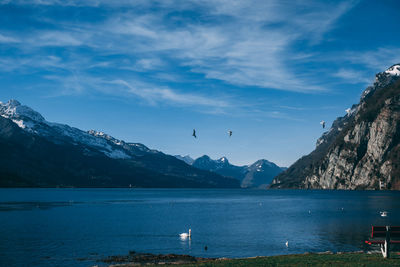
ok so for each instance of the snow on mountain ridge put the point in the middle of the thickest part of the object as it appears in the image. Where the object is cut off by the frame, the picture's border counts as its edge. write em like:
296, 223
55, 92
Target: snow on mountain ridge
186, 159
33, 122
223, 160
14, 110
134, 148
382, 79
106, 136
394, 70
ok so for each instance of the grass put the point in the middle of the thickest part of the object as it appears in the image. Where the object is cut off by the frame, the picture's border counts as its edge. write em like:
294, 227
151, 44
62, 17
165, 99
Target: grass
347, 260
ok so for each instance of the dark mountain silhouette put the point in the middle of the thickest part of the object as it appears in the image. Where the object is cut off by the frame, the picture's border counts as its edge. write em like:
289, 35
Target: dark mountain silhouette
37, 153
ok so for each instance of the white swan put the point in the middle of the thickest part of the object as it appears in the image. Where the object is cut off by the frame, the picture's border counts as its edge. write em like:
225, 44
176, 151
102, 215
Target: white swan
384, 213
184, 236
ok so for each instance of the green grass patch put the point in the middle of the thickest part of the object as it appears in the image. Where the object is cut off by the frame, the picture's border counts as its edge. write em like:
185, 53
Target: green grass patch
348, 259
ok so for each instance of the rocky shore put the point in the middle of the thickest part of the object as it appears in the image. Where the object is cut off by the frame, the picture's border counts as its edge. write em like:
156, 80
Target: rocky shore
327, 258
137, 259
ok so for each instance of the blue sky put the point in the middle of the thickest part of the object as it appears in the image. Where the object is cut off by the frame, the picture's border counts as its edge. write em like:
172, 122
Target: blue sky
150, 71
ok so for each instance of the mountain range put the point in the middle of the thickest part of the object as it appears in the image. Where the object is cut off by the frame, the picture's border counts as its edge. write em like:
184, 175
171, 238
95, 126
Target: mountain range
38, 153
361, 150
256, 175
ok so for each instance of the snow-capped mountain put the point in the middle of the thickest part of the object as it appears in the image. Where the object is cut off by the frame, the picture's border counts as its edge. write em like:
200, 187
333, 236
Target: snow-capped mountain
134, 148
35, 152
206, 163
33, 122
186, 159
258, 174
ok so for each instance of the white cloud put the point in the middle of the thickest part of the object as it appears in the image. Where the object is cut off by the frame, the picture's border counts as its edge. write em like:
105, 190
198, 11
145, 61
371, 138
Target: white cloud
89, 3
149, 63
79, 83
353, 77
7, 39
57, 38
243, 49
246, 43
154, 95
377, 60
30, 64
361, 65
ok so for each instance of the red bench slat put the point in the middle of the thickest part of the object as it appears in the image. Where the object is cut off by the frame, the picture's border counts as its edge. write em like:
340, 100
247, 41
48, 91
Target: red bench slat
380, 231
370, 242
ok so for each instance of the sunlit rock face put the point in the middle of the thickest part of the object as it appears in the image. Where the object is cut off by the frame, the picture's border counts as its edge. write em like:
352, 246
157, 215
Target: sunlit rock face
361, 150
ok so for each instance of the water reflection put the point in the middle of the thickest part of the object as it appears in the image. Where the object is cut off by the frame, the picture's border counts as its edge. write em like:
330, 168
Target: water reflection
19, 206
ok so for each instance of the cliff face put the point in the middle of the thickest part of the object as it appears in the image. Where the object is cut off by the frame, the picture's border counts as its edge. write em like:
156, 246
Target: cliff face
361, 150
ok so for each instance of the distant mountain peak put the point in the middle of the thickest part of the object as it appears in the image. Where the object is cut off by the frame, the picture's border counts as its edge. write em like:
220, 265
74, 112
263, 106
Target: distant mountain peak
52, 154
382, 79
186, 159
15, 111
258, 174
223, 160
262, 162
394, 70
33, 122
13, 103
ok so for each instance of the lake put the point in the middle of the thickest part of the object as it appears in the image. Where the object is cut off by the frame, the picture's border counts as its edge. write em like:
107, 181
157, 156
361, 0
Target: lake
76, 227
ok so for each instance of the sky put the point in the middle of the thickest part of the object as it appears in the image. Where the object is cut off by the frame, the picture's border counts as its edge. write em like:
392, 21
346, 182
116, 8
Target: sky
151, 71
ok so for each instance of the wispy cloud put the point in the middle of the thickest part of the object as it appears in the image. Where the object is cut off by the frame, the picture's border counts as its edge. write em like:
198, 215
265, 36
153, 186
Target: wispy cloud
56, 38
353, 77
7, 39
155, 95
229, 51
87, 3
361, 65
244, 43
378, 60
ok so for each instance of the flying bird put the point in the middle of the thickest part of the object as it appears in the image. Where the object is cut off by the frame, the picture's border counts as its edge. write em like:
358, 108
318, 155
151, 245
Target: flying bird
323, 124
230, 133
194, 133
287, 244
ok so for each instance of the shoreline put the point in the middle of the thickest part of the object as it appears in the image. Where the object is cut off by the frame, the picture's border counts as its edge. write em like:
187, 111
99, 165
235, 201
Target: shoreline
326, 258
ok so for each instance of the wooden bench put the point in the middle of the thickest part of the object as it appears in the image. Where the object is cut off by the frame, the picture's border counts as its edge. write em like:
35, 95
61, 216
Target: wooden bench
384, 236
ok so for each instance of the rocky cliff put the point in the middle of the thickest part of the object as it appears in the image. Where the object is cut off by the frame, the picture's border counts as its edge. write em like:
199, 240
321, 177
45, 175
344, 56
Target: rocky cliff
361, 150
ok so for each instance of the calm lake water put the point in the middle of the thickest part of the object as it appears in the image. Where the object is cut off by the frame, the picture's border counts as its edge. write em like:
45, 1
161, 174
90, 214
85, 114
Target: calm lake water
76, 227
